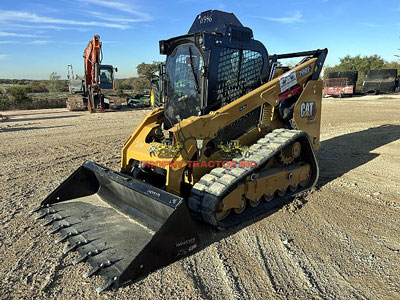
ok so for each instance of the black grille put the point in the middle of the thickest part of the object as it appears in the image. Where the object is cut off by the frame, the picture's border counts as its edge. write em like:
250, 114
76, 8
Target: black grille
239, 127
238, 73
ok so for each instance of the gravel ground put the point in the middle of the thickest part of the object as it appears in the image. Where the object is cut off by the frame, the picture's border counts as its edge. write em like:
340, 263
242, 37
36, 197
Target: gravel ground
341, 241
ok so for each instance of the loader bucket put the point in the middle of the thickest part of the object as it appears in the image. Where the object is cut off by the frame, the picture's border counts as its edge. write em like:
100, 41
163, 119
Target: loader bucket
124, 228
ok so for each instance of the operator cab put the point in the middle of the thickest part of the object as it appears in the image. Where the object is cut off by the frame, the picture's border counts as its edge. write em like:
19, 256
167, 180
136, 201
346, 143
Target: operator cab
217, 62
107, 77
185, 82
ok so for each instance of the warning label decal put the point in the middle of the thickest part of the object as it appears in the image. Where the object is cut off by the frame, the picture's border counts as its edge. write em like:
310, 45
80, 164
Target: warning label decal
287, 81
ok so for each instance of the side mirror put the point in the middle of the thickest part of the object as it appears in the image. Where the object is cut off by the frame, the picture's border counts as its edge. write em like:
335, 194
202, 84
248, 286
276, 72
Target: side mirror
116, 69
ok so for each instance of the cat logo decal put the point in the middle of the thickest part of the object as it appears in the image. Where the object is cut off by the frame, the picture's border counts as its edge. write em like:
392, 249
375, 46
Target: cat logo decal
308, 110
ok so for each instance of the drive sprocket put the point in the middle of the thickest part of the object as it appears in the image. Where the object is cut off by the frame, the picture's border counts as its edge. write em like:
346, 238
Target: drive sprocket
290, 153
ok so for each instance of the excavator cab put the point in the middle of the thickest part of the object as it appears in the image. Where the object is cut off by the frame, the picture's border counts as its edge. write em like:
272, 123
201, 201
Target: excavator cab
217, 62
107, 78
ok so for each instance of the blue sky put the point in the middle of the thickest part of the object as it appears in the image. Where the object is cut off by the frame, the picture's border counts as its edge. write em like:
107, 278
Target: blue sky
39, 37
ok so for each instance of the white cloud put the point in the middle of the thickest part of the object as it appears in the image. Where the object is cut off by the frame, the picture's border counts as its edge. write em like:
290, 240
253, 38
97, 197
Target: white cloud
369, 24
46, 27
13, 34
296, 18
23, 16
34, 42
9, 42
114, 18
3, 56
121, 7
40, 42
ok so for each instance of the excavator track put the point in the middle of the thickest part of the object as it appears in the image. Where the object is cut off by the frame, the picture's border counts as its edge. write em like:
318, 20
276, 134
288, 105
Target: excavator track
207, 194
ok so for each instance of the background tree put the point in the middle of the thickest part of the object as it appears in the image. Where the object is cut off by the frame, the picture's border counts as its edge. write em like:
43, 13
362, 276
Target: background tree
141, 83
4, 101
55, 84
19, 95
36, 86
147, 71
145, 74
124, 84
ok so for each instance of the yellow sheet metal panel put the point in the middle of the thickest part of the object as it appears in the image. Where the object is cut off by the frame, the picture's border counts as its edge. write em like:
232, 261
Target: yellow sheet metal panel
307, 111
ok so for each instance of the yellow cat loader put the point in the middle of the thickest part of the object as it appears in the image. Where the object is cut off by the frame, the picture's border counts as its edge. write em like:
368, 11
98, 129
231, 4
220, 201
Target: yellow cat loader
221, 86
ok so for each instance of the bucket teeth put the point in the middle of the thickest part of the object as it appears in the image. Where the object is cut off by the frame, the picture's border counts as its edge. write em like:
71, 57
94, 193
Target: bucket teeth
85, 256
65, 237
45, 213
56, 218
58, 228
129, 221
106, 285
97, 269
42, 215
74, 246
36, 209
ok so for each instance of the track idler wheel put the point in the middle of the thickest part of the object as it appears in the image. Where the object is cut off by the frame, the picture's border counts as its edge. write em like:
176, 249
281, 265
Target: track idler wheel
293, 187
281, 193
268, 197
254, 203
290, 153
305, 182
241, 208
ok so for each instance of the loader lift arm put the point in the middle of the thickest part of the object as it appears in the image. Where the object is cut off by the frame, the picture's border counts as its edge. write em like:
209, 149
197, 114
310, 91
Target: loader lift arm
320, 54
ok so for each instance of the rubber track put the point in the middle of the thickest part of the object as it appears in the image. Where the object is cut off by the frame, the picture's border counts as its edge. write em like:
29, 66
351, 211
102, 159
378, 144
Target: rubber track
208, 192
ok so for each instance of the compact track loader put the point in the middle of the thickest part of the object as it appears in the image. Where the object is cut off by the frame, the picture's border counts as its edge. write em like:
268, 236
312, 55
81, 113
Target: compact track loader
222, 91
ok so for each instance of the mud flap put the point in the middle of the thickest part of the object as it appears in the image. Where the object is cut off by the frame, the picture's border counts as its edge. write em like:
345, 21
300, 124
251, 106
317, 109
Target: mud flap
124, 228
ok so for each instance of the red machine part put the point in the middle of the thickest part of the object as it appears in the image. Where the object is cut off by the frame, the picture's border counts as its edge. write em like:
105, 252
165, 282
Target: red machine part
338, 87
91, 57
295, 90
92, 60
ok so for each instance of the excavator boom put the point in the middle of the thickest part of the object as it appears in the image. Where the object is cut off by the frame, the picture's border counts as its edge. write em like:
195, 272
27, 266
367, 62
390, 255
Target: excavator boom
92, 60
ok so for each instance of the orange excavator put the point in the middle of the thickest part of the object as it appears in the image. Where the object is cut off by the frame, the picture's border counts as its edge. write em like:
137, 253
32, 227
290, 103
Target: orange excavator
99, 79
